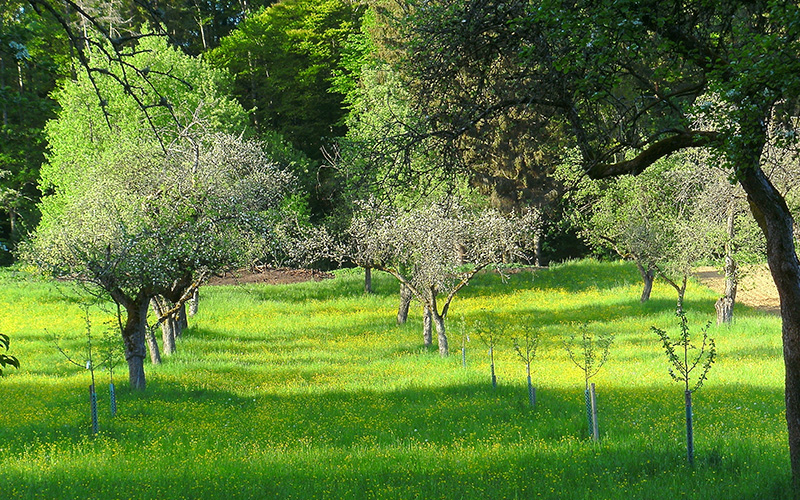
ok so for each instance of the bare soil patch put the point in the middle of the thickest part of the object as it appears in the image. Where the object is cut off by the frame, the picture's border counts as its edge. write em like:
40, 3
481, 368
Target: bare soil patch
270, 276
756, 288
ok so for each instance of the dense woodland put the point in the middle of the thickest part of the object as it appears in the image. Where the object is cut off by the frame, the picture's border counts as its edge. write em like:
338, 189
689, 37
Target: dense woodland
146, 147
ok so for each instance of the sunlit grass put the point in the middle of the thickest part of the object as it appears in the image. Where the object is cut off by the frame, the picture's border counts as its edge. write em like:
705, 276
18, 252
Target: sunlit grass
312, 391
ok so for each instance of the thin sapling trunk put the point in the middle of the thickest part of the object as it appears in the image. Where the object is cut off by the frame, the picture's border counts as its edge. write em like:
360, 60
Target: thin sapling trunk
583, 352
526, 346
490, 331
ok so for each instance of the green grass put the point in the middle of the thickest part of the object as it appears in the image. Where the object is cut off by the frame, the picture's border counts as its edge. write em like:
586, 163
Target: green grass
310, 391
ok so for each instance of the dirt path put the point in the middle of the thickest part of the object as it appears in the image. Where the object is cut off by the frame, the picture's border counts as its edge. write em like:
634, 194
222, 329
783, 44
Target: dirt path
756, 288
281, 276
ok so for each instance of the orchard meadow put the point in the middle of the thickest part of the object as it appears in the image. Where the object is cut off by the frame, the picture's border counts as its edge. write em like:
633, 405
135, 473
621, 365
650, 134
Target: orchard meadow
312, 391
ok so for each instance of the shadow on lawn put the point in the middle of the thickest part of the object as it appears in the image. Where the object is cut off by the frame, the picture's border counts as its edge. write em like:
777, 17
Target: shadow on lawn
409, 435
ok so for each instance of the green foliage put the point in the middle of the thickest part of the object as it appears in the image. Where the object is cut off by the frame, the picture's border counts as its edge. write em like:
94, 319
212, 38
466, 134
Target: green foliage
525, 345
490, 330
145, 194
167, 217
5, 359
681, 363
297, 45
32, 57
652, 218
89, 135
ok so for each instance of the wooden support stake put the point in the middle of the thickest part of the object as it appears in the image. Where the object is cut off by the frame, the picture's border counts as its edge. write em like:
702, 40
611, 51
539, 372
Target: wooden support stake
494, 379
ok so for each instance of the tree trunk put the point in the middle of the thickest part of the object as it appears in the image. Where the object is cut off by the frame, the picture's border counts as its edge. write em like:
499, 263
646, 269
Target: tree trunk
169, 329
427, 329
438, 320
724, 307
133, 336
773, 216
181, 321
461, 253
194, 303
152, 346
13, 225
537, 248
160, 305
725, 304
405, 302
367, 280
3, 84
648, 276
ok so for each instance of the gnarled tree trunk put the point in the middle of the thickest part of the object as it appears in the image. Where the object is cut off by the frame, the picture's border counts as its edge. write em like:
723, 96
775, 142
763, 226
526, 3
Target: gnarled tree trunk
168, 326
724, 307
152, 346
438, 320
427, 327
773, 216
133, 336
648, 276
405, 301
194, 302
367, 280
181, 321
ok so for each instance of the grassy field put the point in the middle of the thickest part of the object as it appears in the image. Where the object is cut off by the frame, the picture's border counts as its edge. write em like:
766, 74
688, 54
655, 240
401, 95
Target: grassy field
311, 391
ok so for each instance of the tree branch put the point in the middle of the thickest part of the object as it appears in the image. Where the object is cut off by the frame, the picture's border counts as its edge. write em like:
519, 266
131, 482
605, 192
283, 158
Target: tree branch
653, 153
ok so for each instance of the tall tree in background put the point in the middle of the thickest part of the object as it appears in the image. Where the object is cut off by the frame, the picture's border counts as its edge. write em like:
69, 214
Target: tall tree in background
632, 82
282, 59
197, 26
33, 54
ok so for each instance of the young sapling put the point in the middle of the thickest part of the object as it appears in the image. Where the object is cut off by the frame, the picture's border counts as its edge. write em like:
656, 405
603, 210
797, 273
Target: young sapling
490, 333
682, 365
89, 364
589, 353
526, 346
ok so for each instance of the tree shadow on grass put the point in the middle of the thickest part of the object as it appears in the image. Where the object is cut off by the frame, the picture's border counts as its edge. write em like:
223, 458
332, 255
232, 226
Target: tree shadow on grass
452, 442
